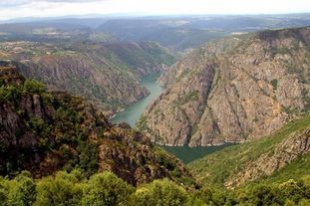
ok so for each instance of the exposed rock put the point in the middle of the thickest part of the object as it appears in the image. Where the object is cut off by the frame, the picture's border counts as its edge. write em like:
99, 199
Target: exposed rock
234, 90
107, 73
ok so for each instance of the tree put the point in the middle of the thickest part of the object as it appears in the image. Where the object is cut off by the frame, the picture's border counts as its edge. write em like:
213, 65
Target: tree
21, 190
63, 190
33, 86
106, 189
160, 193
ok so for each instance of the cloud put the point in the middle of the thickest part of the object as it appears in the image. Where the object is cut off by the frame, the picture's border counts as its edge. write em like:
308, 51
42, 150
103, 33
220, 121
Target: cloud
72, 1
12, 3
50, 8
17, 3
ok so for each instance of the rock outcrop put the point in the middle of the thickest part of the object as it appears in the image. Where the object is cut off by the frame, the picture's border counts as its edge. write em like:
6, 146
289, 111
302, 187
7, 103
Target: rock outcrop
44, 132
233, 90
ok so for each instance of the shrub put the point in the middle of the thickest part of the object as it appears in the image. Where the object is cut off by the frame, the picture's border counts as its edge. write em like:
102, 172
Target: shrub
34, 86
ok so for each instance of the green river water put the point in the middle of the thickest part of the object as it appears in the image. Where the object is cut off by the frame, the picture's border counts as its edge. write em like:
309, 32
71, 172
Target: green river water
132, 113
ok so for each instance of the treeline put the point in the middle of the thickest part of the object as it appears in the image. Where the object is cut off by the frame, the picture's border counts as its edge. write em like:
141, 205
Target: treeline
68, 189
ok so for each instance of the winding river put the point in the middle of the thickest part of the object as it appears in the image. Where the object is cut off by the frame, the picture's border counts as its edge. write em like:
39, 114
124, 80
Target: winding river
132, 113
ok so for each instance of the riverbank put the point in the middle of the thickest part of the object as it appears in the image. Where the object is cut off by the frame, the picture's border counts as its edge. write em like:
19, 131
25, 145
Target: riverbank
133, 112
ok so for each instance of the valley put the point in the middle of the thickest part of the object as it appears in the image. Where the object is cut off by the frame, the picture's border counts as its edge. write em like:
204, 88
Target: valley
184, 110
133, 112
107, 74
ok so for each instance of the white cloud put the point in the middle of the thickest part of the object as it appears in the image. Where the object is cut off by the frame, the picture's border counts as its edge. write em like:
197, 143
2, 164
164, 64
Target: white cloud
43, 8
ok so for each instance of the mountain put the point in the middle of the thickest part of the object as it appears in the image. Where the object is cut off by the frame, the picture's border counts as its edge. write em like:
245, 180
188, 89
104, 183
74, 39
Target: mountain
233, 90
107, 73
183, 32
44, 132
92, 162
274, 159
170, 32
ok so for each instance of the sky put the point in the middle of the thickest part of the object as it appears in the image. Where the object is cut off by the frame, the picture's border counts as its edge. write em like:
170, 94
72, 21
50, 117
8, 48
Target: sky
10, 9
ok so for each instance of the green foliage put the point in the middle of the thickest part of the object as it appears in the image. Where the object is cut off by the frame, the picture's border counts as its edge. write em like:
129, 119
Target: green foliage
9, 93
33, 86
88, 157
18, 192
142, 123
216, 168
62, 190
160, 193
279, 50
37, 124
287, 193
106, 189
164, 159
74, 188
192, 96
13, 92
57, 127
274, 83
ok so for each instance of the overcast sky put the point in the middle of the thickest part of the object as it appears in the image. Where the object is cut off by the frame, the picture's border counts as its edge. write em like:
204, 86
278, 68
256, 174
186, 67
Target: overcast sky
49, 8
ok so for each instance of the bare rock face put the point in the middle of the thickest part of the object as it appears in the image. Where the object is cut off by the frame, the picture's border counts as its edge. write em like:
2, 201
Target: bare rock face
233, 90
286, 152
108, 74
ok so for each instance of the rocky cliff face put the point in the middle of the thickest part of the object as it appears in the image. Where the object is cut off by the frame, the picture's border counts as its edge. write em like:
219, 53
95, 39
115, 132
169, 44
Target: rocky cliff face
233, 90
105, 73
43, 132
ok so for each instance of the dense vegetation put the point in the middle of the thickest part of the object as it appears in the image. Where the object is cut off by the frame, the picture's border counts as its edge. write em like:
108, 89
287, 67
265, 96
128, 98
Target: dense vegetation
53, 129
74, 188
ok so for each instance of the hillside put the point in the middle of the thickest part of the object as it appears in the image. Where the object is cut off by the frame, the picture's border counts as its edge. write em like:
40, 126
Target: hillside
273, 159
105, 73
184, 32
44, 132
238, 89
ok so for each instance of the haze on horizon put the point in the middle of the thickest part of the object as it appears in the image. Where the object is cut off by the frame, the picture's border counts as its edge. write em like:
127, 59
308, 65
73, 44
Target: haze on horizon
10, 9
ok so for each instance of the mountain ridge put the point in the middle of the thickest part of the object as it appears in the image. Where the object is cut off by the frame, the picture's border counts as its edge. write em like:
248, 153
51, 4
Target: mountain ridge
107, 73
233, 90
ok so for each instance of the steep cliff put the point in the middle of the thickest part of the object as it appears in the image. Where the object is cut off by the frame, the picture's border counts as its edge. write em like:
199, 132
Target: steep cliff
105, 73
233, 90
44, 132
277, 158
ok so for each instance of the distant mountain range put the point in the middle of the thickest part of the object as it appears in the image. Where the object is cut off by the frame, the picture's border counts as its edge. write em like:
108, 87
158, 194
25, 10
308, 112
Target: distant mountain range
175, 32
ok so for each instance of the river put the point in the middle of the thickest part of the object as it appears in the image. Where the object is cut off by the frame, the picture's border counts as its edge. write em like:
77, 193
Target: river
132, 113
